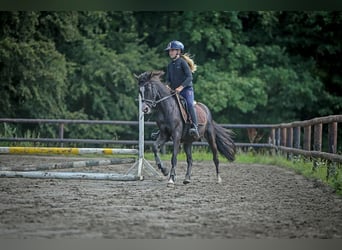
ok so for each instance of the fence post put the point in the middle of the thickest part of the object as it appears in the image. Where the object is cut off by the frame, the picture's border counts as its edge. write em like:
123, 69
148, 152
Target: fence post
277, 137
317, 146
332, 137
296, 137
307, 138
272, 136
277, 140
332, 144
272, 139
283, 137
318, 137
289, 141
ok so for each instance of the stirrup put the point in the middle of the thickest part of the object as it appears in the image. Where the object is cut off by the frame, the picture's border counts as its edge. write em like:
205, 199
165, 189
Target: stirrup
194, 132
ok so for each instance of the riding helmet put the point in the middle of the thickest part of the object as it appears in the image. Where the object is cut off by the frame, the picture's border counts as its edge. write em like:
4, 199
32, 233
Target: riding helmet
175, 45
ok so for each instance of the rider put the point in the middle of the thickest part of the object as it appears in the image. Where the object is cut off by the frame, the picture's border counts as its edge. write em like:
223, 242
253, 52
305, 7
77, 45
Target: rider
179, 78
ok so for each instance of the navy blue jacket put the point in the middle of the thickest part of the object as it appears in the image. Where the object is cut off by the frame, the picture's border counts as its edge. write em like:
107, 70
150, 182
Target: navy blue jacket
178, 73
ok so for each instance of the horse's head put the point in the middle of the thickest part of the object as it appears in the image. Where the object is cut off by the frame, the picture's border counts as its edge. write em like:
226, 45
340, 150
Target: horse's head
148, 89
148, 76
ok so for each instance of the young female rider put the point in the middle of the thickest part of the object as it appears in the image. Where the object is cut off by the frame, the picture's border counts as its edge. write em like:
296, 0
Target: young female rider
179, 78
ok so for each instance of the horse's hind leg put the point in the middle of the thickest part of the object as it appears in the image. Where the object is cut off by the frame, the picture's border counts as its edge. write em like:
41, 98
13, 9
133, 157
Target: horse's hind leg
210, 136
188, 152
156, 148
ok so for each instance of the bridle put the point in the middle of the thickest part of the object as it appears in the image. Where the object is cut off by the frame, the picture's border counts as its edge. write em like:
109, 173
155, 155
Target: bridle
152, 103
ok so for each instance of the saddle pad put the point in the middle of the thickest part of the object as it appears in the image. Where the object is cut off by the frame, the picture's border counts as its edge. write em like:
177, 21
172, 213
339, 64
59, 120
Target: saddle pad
182, 109
201, 116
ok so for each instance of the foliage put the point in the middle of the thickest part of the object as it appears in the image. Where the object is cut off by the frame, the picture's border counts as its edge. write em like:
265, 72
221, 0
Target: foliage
253, 66
29, 71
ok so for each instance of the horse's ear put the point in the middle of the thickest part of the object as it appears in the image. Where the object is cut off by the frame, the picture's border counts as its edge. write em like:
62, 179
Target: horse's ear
136, 76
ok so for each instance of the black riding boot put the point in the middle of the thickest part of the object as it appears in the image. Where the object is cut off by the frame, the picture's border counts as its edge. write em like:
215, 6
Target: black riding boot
194, 130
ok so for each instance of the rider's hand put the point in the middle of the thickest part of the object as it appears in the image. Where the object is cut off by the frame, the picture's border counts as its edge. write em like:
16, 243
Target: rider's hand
179, 89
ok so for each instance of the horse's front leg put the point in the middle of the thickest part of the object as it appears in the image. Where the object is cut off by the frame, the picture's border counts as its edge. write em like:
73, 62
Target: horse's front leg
156, 149
176, 144
188, 152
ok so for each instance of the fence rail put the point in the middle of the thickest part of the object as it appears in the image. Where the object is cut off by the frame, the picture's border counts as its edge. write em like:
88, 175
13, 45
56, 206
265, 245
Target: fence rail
285, 137
288, 137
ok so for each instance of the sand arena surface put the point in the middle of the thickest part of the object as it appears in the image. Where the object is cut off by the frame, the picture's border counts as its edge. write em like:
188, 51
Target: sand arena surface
253, 201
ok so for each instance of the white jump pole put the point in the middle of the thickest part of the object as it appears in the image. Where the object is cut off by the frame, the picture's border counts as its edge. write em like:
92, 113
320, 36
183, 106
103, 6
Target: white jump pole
71, 164
68, 175
55, 150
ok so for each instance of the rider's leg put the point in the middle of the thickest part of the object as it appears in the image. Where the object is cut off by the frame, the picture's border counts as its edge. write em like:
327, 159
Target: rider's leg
194, 130
188, 94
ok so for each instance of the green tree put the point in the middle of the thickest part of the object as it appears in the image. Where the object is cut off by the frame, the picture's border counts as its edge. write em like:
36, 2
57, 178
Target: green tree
29, 70
253, 66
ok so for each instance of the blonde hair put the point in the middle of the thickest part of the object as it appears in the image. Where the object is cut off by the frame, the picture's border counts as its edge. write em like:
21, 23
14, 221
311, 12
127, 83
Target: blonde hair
190, 61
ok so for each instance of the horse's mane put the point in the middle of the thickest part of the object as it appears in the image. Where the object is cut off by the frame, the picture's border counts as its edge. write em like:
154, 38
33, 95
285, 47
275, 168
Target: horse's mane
163, 90
155, 78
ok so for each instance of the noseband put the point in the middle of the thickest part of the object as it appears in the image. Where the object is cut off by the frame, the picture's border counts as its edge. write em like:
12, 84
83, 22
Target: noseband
152, 102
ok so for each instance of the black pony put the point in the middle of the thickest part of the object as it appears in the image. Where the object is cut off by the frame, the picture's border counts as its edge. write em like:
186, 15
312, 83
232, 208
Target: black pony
172, 126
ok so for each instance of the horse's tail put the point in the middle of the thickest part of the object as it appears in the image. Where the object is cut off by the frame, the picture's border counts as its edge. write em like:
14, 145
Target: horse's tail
224, 142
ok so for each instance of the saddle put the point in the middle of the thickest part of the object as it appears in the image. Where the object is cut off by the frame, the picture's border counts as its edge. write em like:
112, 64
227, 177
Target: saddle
183, 107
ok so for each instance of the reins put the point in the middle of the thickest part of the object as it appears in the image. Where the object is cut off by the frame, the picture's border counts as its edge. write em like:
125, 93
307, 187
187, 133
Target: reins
154, 103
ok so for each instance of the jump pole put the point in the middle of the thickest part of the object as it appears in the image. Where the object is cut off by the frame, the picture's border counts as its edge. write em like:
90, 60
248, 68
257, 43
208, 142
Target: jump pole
77, 151
134, 173
69, 175
71, 164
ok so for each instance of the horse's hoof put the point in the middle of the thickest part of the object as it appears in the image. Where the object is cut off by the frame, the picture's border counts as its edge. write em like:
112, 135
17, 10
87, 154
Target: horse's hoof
165, 171
219, 180
170, 183
186, 181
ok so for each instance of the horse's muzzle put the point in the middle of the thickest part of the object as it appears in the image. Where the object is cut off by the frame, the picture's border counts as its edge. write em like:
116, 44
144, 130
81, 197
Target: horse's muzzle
146, 109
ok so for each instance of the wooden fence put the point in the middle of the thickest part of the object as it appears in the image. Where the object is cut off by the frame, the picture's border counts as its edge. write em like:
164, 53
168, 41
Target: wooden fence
288, 137
299, 137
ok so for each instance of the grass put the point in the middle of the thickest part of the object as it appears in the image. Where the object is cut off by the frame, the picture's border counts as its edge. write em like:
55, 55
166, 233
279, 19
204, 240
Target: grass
330, 174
